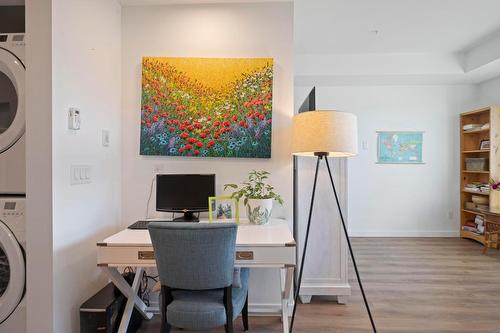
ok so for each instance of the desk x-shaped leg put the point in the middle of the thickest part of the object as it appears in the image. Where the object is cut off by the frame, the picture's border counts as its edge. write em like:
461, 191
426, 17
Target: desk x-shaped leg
130, 292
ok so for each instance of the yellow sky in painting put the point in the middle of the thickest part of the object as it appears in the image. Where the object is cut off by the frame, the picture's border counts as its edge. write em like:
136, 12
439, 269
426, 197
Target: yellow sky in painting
216, 73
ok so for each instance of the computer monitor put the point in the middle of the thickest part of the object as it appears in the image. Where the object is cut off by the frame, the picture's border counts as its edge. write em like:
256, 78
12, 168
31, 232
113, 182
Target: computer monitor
184, 193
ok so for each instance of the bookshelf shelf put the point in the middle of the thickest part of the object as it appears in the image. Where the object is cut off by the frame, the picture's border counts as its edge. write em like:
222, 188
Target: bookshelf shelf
476, 131
478, 193
466, 171
470, 211
470, 143
476, 151
472, 235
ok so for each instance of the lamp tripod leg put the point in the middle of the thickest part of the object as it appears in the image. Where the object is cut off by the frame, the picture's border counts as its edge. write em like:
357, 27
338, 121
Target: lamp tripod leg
350, 248
297, 291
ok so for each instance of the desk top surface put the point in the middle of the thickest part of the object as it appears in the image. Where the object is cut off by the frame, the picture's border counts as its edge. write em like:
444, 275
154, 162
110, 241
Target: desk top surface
276, 233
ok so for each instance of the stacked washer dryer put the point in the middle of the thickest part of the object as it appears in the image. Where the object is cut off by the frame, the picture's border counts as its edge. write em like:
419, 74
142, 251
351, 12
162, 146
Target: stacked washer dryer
12, 184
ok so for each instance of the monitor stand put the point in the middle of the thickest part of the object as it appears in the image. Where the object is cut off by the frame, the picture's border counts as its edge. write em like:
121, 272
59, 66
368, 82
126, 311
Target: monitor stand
188, 217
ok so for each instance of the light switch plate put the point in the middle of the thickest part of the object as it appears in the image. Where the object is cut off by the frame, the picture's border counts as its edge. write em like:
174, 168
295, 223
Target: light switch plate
80, 174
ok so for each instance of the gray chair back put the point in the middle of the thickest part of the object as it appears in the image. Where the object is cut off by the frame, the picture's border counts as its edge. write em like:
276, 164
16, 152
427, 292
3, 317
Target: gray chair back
194, 256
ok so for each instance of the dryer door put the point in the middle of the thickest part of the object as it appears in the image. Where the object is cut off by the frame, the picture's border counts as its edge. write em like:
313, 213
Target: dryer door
12, 117
12, 272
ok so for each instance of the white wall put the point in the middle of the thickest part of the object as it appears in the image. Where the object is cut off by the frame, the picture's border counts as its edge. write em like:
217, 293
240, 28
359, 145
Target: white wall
403, 200
39, 166
225, 30
86, 74
489, 92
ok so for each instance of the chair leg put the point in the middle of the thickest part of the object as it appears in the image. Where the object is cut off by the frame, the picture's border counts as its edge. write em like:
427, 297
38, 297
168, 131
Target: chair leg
166, 296
244, 314
228, 305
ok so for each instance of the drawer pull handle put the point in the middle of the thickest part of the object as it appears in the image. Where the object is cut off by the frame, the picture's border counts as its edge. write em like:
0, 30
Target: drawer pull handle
146, 255
244, 255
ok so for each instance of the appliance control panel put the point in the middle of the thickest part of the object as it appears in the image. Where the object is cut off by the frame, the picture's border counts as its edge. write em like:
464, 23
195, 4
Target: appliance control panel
12, 208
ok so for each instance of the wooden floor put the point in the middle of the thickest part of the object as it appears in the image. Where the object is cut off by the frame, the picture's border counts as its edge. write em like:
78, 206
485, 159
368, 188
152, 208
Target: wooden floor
413, 285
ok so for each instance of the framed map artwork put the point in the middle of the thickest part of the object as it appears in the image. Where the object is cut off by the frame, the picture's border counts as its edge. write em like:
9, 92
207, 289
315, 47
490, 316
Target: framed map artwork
399, 147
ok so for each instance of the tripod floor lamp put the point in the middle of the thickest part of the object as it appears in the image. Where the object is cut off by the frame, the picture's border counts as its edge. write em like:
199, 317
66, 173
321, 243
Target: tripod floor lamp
322, 134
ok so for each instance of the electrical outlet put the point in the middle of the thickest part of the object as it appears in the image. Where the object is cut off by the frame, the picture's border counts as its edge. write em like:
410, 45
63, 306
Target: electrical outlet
105, 138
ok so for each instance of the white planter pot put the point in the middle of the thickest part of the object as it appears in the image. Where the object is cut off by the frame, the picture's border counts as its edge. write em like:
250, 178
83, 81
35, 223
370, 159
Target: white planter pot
259, 210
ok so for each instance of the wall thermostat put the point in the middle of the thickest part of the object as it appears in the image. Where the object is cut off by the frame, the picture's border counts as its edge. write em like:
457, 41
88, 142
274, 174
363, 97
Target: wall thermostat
74, 119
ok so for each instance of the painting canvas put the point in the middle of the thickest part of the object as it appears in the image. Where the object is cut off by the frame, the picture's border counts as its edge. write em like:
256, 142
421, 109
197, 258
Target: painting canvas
400, 147
207, 107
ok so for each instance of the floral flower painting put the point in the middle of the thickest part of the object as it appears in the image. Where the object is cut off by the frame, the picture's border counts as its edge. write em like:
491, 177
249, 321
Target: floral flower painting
207, 107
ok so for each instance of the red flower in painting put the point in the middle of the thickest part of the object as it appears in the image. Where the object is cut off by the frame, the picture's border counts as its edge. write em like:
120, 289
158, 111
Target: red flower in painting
198, 125
148, 124
235, 118
172, 129
211, 143
242, 123
199, 144
203, 135
262, 117
226, 123
175, 121
188, 147
184, 135
217, 123
269, 121
196, 152
191, 140
190, 127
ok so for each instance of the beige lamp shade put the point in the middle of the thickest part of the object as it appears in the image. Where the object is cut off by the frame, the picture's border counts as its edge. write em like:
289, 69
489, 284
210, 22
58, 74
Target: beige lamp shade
332, 132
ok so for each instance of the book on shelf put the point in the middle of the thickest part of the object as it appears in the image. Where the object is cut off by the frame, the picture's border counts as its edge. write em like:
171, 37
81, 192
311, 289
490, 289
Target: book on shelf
475, 230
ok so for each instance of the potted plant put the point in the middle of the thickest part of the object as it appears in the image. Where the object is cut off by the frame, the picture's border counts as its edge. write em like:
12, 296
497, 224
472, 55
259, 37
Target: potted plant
258, 196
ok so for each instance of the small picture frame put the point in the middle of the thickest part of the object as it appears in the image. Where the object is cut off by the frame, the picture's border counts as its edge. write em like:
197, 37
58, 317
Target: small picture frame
485, 144
223, 209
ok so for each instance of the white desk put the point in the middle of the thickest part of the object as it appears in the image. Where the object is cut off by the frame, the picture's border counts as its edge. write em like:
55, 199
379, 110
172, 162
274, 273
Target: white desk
269, 245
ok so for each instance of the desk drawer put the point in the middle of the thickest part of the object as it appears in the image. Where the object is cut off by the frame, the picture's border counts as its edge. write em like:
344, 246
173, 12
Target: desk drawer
125, 256
260, 256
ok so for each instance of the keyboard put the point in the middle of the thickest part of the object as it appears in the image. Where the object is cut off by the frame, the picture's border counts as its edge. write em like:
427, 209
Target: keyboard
139, 225
143, 224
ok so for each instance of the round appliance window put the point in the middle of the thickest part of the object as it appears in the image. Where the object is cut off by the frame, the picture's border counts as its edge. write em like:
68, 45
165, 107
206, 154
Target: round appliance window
8, 102
4, 272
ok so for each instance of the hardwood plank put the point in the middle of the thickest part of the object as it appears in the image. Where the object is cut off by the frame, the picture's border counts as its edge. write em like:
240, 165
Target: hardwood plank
413, 285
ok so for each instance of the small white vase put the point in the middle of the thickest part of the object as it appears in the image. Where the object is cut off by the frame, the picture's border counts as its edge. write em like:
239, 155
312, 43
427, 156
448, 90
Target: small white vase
259, 210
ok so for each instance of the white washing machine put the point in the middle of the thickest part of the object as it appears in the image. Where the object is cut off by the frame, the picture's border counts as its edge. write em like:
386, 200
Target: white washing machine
12, 114
12, 264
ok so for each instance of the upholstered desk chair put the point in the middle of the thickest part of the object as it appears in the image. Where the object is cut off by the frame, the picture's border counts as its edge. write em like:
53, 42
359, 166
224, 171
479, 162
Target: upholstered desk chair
200, 288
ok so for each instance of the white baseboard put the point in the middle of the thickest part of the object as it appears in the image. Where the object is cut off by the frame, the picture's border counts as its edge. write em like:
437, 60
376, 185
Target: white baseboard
254, 309
383, 233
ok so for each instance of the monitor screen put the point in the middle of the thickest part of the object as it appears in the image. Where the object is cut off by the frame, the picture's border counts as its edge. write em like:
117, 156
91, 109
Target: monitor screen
177, 193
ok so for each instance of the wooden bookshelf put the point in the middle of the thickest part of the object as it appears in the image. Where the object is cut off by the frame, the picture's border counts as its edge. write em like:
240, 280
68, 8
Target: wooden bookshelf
470, 142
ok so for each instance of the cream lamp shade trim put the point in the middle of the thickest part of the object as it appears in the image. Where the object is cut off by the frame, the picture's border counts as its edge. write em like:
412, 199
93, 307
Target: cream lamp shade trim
332, 132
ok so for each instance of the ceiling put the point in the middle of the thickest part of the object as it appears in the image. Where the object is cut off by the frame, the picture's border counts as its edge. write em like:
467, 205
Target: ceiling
188, 2
393, 26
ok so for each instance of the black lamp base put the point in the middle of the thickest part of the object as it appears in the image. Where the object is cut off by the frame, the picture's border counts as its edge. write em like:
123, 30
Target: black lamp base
320, 156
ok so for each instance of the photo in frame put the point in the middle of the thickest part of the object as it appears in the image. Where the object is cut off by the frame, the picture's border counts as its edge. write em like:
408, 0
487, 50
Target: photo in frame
223, 209
484, 145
